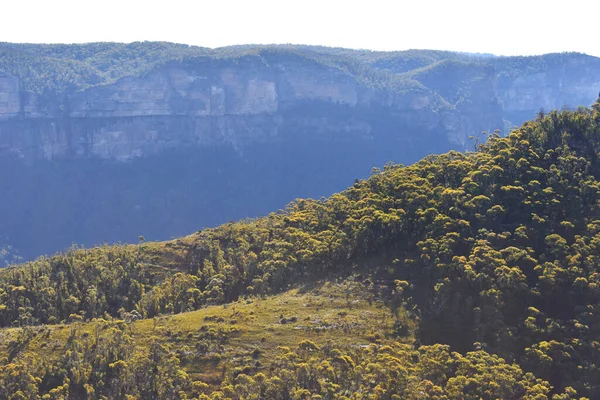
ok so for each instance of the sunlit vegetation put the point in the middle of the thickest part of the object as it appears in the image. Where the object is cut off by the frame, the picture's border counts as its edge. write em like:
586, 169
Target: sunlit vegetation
333, 340
485, 264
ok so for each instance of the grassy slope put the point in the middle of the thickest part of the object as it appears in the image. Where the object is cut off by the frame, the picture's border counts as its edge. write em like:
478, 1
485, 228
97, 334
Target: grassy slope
323, 312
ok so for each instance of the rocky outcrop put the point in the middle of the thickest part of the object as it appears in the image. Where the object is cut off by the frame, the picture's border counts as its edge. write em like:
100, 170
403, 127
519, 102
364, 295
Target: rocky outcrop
10, 102
471, 89
529, 84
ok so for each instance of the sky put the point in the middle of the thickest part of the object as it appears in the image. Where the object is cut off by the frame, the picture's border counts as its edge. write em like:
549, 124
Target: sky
501, 27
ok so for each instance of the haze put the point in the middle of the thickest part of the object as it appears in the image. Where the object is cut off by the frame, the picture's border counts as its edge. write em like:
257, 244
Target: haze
504, 28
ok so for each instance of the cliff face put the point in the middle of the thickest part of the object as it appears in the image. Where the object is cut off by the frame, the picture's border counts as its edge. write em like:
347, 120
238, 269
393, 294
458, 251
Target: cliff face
206, 103
548, 83
9, 97
203, 101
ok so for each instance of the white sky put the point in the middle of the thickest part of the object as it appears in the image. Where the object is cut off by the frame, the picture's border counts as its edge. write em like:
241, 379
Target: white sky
505, 27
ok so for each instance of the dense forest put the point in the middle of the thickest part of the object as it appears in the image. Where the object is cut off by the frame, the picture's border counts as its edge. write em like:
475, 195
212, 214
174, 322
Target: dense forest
485, 264
56, 70
49, 69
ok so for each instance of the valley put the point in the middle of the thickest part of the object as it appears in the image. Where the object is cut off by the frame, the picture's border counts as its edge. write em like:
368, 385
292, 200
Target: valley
104, 142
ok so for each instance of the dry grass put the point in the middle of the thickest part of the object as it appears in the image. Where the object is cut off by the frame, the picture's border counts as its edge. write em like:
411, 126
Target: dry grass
245, 333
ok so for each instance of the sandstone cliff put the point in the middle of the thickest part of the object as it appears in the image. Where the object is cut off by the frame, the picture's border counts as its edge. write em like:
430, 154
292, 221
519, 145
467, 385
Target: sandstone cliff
256, 97
204, 102
528, 84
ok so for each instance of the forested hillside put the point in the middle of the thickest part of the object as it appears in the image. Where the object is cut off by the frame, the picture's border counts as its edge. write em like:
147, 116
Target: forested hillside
484, 263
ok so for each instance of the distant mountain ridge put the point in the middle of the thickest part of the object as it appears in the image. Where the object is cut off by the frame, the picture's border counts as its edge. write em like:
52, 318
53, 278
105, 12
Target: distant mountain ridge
119, 80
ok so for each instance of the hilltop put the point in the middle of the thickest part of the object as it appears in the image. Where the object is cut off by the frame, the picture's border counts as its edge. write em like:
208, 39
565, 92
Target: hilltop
465, 274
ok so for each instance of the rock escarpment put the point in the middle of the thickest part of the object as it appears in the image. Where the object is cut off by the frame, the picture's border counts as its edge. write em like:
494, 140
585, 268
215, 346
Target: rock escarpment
207, 102
10, 101
529, 84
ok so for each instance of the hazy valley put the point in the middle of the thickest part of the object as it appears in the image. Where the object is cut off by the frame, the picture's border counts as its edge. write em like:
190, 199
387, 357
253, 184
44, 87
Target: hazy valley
466, 268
